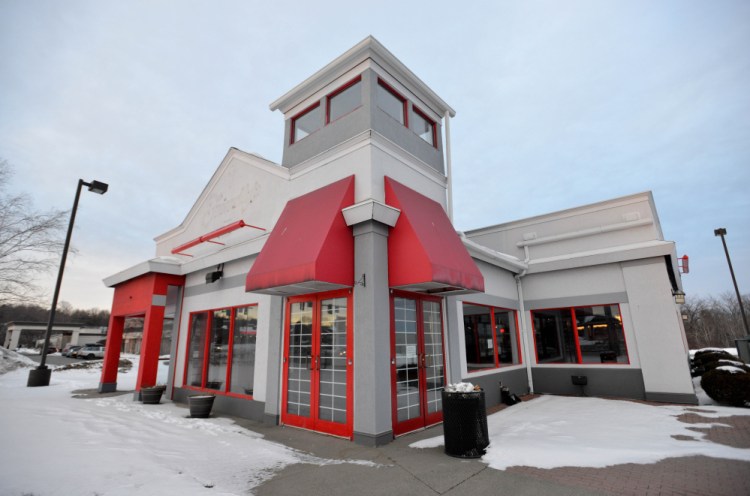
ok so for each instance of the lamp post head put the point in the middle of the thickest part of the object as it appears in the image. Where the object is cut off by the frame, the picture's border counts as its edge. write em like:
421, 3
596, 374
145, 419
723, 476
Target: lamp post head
97, 187
679, 297
720, 232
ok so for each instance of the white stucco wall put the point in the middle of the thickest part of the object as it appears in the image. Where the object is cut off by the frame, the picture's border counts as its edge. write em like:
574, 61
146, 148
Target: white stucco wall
227, 292
661, 347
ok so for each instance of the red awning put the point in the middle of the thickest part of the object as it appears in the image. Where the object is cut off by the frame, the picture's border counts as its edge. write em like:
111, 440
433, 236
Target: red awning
424, 252
311, 248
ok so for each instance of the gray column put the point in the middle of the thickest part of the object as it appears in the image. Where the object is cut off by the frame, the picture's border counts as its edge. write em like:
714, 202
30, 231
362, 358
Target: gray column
275, 354
372, 336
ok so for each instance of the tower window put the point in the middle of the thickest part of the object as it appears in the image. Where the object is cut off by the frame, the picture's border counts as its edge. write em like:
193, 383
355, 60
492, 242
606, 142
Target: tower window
391, 102
423, 126
344, 100
307, 122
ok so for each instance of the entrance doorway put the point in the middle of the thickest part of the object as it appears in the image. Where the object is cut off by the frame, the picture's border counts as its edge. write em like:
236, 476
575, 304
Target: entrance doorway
417, 361
318, 363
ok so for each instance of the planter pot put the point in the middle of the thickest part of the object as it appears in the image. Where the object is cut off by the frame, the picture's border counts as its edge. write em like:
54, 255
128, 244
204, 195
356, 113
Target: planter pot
152, 395
200, 405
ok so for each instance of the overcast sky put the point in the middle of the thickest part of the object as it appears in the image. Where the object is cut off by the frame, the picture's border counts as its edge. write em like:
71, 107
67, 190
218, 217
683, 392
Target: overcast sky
559, 104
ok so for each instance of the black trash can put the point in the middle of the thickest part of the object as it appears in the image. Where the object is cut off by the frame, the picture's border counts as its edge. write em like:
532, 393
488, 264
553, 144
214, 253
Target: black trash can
465, 424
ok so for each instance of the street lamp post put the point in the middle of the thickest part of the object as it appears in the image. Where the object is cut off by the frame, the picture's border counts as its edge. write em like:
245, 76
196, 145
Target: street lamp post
40, 376
722, 232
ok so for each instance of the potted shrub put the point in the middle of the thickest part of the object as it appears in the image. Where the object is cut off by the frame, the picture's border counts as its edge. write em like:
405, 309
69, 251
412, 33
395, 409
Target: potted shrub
152, 395
200, 405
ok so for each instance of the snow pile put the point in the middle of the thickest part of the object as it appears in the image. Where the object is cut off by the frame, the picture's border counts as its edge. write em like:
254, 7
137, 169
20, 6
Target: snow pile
61, 445
459, 387
731, 369
553, 431
10, 360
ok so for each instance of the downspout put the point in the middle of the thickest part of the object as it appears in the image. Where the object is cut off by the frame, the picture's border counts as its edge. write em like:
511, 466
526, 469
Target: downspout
522, 311
448, 170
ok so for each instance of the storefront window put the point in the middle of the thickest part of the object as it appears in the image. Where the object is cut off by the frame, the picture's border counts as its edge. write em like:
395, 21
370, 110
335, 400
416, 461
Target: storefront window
222, 350
490, 337
243, 349
218, 349
598, 336
196, 349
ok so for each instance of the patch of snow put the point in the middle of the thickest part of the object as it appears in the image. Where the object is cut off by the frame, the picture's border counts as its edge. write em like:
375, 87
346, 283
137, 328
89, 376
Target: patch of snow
703, 398
553, 431
731, 351
460, 387
11, 360
114, 446
29, 351
731, 369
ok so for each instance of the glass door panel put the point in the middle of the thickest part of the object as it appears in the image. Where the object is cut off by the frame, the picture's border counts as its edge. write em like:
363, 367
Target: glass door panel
299, 360
332, 356
408, 402
434, 360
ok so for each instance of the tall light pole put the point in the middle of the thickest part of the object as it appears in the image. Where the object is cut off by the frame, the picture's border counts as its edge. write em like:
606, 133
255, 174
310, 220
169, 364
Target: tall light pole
40, 376
722, 232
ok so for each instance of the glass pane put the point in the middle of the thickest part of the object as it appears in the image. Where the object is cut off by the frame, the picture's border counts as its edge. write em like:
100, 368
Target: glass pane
600, 334
390, 104
307, 123
196, 349
553, 333
422, 127
433, 352
218, 350
478, 339
407, 372
333, 385
344, 102
243, 349
300, 355
166, 336
507, 337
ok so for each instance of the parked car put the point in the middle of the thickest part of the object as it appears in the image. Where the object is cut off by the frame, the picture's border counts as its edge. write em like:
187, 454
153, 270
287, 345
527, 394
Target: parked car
90, 351
70, 349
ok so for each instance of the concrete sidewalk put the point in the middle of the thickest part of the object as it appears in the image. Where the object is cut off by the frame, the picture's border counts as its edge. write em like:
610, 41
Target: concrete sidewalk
403, 470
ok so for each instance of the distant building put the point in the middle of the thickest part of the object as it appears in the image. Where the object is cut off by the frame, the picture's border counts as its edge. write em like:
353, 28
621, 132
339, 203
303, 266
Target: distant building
28, 334
331, 291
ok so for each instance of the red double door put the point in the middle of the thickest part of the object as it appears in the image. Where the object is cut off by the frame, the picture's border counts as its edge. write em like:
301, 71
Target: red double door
318, 363
417, 361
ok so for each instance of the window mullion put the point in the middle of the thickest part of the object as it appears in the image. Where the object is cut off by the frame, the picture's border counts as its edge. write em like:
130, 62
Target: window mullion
574, 325
206, 347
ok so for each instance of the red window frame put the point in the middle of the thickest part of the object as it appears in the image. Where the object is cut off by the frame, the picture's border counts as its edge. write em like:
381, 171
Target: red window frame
498, 365
404, 101
429, 121
425, 419
579, 357
206, 344
302, 113
337, 92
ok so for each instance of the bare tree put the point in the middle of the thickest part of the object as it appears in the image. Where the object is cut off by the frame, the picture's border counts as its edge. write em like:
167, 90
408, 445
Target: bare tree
713, 321
30, 243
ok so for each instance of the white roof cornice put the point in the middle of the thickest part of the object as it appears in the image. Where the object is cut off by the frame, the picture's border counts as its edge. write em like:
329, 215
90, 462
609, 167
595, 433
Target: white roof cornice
367, 48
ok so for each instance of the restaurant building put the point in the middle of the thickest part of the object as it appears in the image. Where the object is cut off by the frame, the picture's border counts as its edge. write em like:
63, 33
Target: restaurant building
332, 292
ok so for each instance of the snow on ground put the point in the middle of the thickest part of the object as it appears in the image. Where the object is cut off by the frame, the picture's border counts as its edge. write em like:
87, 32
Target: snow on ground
556, 431
54, 444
